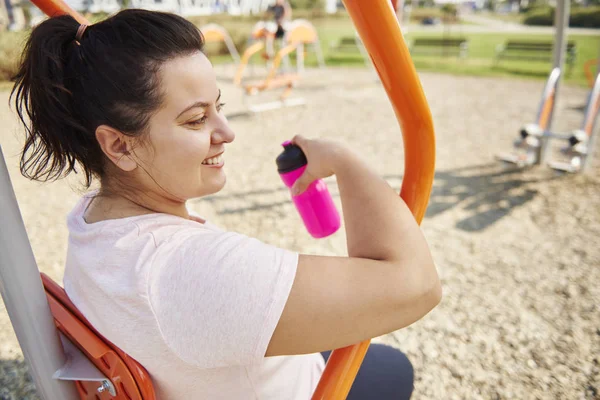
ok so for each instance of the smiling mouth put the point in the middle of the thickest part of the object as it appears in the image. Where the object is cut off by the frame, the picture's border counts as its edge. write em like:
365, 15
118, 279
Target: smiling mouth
216, 160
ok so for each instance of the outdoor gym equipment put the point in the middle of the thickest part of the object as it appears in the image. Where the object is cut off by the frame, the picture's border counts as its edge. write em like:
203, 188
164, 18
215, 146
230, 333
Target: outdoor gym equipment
261, 38
536, 136
35, 322
214, 33
298, 34
528, 147
580, 142
587, 69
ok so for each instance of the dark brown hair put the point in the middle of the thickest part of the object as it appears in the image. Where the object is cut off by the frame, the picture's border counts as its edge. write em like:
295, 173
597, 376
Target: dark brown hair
65, 89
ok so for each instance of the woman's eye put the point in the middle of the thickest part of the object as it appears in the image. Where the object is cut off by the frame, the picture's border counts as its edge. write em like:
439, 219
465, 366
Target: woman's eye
220, 106
198, 121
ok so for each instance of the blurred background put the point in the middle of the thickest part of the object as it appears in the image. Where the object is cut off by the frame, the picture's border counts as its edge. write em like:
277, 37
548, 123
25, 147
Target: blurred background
483, 24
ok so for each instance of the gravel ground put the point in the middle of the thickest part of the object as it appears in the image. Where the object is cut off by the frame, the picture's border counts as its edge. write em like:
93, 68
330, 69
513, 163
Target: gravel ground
517, 251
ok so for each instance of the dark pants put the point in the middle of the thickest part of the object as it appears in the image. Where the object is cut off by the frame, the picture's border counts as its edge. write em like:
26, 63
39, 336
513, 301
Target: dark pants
280, 32
385, 374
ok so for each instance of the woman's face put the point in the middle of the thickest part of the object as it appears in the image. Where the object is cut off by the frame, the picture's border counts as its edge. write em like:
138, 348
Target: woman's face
184, 155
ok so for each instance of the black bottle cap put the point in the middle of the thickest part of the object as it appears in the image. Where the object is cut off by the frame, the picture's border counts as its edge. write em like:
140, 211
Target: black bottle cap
291, 158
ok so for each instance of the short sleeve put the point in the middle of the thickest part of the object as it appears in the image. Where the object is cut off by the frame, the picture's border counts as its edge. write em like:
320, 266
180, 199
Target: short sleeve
218, 296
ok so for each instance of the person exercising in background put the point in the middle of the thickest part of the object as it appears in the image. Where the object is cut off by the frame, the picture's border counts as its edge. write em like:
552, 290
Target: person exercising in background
282, 12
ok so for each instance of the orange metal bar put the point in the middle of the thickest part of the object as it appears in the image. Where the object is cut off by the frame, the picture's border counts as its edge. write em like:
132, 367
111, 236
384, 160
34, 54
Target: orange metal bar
280, 54
547, 111
379, 30
54, 8
593, 108
249, 52
590, 122
271, 81
587, 69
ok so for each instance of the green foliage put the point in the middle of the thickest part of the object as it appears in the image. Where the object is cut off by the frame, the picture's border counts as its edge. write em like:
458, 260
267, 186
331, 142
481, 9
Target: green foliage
307, 4
332, 28
585, 17
11, 45
588, 17
450, 9
540, 16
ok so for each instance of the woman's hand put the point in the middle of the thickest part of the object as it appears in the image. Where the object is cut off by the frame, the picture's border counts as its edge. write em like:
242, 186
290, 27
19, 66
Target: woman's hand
324, 158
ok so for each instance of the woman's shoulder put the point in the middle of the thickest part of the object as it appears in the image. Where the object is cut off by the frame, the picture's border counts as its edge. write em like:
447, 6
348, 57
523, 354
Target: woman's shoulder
161, 227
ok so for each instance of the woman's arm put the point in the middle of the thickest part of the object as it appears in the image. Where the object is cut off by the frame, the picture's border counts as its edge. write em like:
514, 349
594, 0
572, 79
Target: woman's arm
389, 279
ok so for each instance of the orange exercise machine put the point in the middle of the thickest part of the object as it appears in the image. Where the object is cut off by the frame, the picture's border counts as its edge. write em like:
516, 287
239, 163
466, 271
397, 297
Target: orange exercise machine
580, 143
299, 33
214, 33
39, 310
587, 69
533, 138
261, 38
528, 147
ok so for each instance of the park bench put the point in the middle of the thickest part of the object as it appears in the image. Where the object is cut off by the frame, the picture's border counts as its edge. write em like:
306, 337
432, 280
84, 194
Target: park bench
346, 44
533, 51
350, 45
440, 46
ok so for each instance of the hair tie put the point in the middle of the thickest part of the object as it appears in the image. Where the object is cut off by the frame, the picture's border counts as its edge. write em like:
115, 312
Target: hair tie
80, 32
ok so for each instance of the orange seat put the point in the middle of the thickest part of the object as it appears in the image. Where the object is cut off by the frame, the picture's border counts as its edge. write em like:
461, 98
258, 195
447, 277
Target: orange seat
130, 380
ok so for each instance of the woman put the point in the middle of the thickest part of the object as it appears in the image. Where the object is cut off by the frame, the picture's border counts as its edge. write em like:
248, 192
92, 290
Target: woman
282, 13
133, 102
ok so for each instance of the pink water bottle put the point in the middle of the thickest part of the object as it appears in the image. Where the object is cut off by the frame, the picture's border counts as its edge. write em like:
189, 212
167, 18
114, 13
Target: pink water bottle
315, 205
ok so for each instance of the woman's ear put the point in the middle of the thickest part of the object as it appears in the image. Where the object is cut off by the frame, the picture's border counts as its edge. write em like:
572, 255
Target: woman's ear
117, 147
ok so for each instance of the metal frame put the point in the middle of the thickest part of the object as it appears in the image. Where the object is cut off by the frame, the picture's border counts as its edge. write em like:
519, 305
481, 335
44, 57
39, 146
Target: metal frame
580, 142
25, 299
379, 29
79, 368
528, 147
561, 23
223, 37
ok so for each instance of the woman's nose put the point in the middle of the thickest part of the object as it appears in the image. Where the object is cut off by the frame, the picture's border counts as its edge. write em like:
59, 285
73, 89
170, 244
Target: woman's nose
223, 133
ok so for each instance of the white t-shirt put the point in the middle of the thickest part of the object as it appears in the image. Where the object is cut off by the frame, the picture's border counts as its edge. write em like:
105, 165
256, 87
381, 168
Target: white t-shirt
195, 305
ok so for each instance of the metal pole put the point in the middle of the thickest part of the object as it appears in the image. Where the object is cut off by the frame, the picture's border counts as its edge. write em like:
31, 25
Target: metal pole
587, 163
561, 24
25, 299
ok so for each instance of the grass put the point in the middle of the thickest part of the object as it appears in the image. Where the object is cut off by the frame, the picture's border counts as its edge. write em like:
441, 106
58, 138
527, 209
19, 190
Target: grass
507, 17
480, 60
482, 49
11, 45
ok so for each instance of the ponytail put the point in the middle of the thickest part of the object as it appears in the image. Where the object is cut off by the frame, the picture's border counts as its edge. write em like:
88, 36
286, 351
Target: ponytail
54, 137
69, 83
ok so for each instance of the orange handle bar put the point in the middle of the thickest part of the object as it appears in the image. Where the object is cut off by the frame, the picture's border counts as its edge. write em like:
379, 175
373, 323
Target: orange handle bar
277, 60
54, 8
587, 68
379, 30
249, 52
